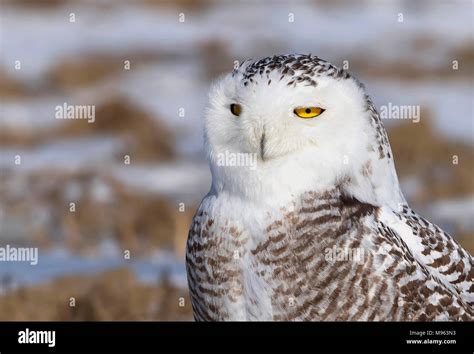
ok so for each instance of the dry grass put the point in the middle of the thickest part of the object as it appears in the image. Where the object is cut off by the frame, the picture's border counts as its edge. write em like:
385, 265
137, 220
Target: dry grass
138, 222
420, 151
466, 240
146, 138
50, 4
114, 295
415, 71
216, 57
19, 137
11, 88
83, 72
42, 4
182, 5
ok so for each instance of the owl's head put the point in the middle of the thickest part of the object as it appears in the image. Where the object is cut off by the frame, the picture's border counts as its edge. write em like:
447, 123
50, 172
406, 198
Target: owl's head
293, 117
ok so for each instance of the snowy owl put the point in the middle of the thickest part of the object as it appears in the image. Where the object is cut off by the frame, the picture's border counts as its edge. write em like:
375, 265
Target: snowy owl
311, 224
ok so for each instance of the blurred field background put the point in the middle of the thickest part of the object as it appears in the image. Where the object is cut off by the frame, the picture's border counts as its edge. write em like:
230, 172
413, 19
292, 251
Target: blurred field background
153, 113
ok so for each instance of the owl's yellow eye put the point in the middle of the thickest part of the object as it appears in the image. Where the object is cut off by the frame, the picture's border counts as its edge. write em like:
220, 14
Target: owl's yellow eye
308, 112
236, 109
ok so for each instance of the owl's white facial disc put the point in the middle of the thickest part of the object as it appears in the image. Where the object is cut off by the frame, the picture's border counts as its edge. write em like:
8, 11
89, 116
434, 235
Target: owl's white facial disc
253, 112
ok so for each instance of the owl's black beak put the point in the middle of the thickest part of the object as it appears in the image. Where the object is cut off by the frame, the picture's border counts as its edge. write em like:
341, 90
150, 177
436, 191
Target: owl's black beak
262, 146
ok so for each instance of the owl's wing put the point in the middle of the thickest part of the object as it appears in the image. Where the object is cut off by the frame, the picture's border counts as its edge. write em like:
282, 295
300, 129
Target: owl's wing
391, 279
195, 265
433, 248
